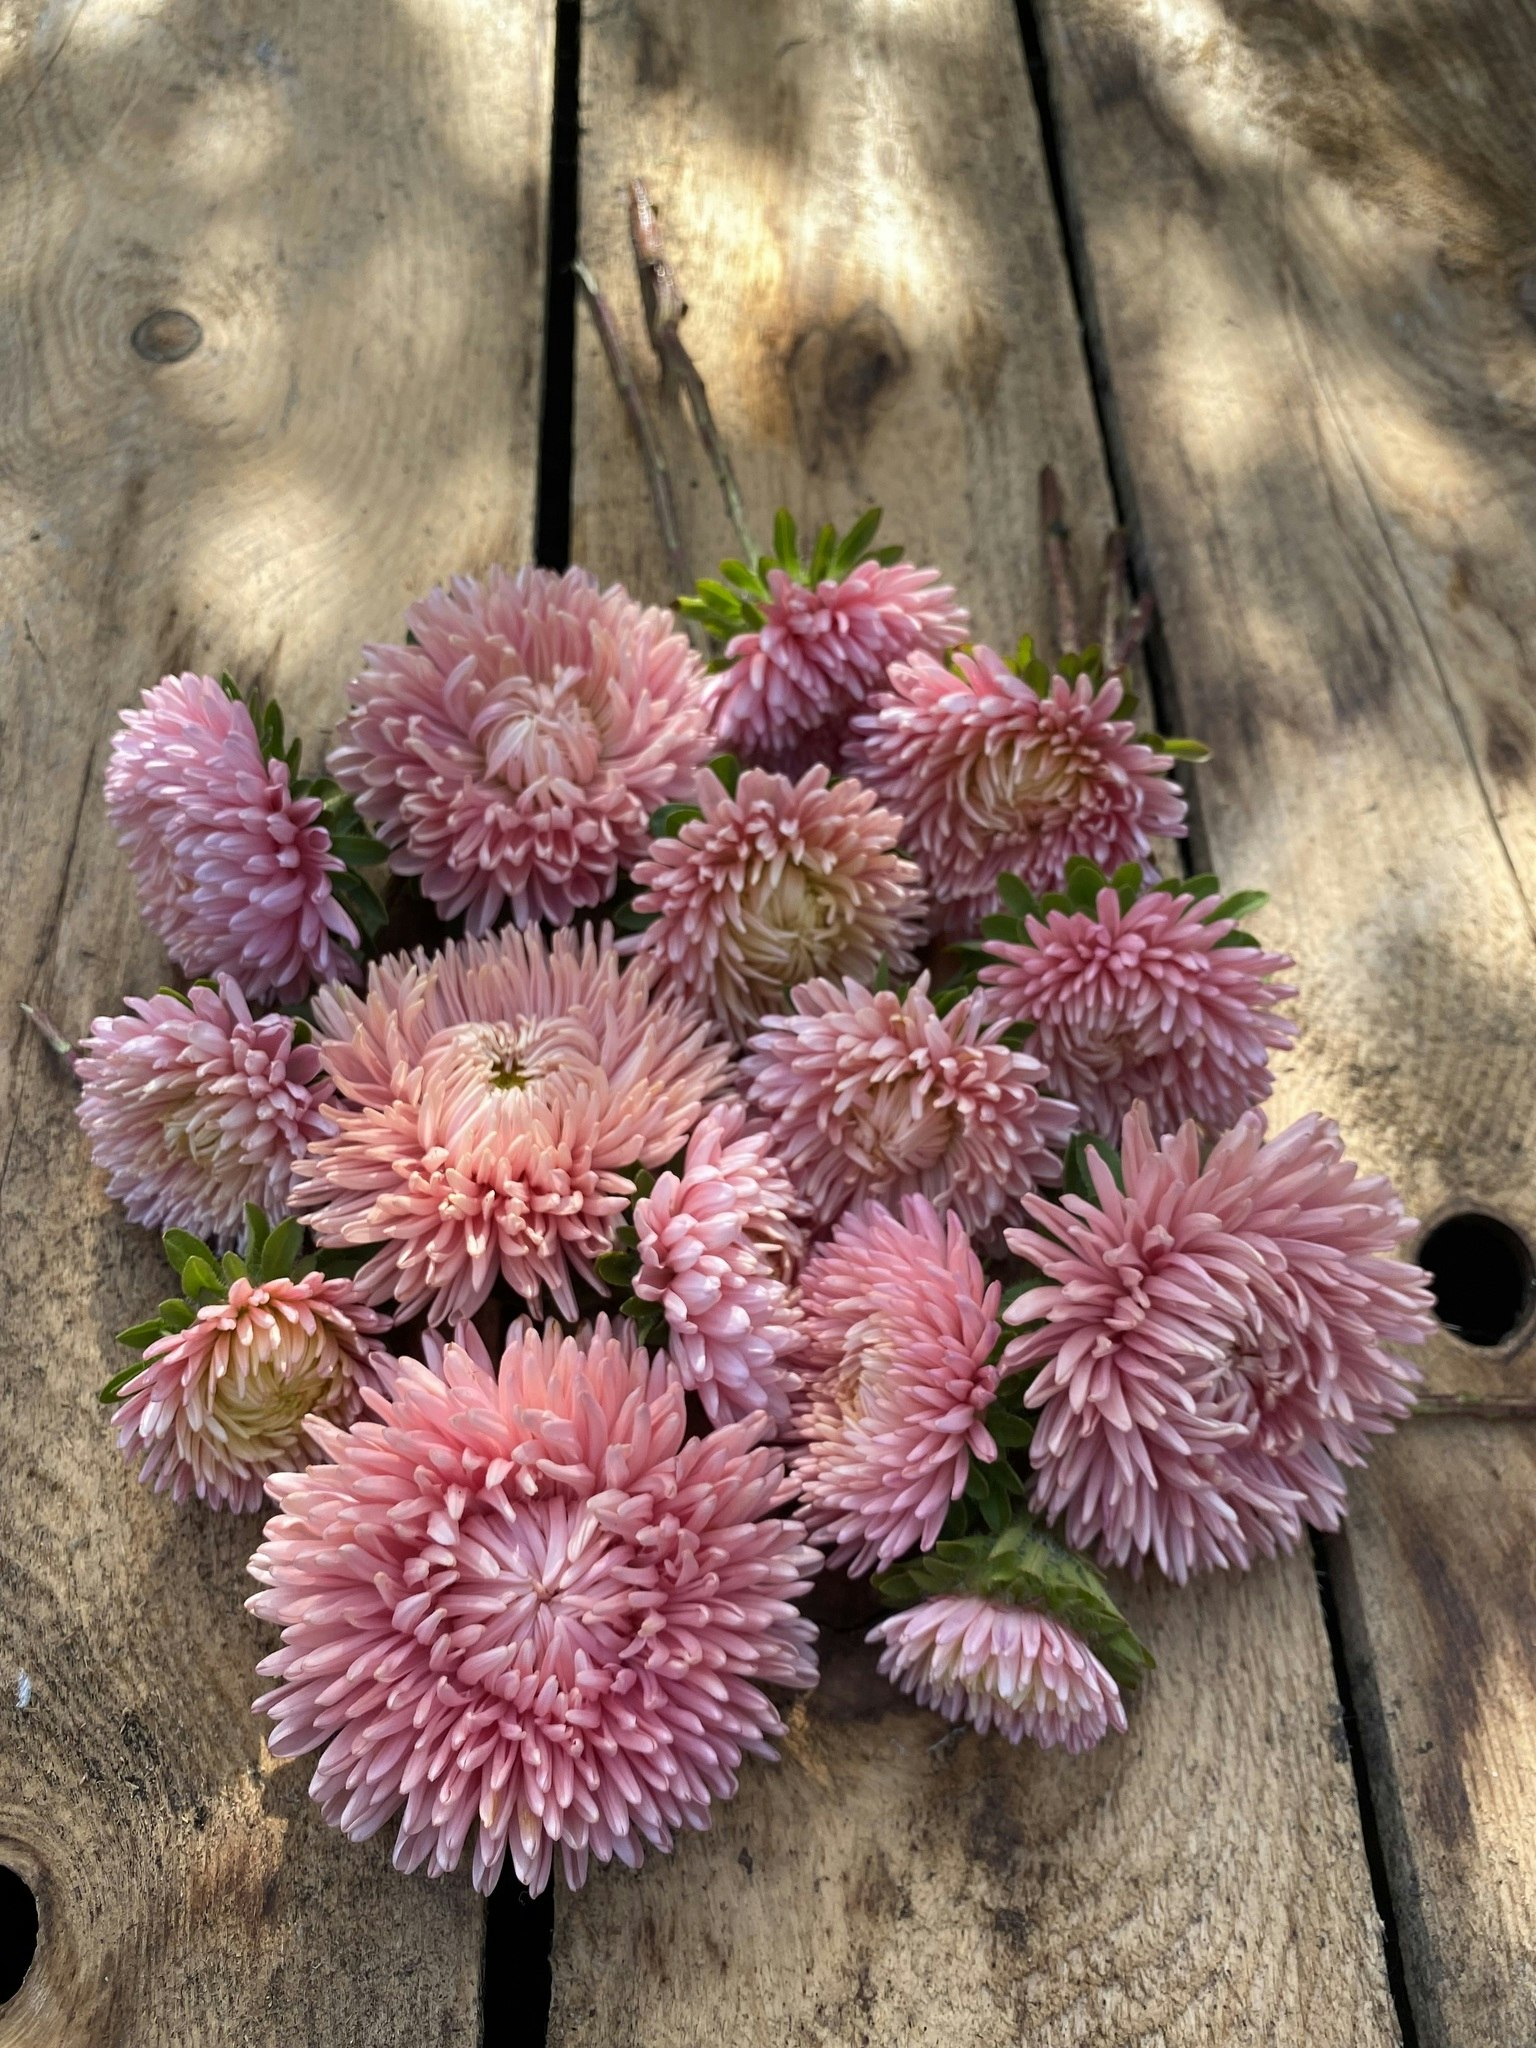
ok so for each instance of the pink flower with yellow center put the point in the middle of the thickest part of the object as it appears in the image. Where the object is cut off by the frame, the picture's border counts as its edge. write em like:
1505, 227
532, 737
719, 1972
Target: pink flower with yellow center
878, 1093
900, 1330
492, 1102
995, 778
222, 1405
775, 882
999, 1666
1211, 1345
519, 1606
513, 756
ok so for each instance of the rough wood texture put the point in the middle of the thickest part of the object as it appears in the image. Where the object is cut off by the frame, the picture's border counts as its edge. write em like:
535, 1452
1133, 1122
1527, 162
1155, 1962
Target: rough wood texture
1305, 236
856, 202
357, 228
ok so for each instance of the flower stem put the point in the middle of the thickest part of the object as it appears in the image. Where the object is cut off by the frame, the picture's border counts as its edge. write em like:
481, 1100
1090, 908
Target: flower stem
664, 310
657, 474
1057, 536
48, 1031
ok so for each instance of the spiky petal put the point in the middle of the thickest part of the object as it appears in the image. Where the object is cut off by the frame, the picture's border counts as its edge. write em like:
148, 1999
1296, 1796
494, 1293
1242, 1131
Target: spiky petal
491, 1099
1212, 1342
513, 756
1000, 1666
233, 870
1145, 1004
876, 1093
820, 652
994, 778
718, 1243
518, 1606
220, 1406
195, 1107
901, 1325
773, 884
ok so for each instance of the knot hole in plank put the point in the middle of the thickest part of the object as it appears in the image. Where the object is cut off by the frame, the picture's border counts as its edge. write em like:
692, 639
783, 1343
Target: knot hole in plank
841, 378
18, 1932
1483, 1275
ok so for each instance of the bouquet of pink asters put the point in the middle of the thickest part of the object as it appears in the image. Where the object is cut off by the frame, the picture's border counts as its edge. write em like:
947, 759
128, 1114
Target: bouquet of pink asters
803, 1130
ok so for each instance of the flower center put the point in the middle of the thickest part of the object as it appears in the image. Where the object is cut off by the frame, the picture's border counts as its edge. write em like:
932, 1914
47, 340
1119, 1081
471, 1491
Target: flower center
484, 1078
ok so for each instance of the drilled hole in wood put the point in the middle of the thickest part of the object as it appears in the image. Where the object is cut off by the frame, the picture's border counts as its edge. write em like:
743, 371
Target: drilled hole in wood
1484, 1277
18, 1932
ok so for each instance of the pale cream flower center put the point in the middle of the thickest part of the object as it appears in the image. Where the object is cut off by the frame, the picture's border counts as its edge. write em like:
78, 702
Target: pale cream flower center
537, 731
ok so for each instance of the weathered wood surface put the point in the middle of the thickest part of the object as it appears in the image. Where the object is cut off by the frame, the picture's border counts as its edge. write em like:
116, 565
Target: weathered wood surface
856, 201
1306, 238
357, 225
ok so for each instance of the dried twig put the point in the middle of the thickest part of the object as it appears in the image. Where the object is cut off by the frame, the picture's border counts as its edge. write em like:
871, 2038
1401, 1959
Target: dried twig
664, 310
657, 474
1058, 562
47, 1030
1479, 1407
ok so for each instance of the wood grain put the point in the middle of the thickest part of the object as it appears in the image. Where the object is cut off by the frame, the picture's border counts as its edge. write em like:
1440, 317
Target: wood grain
356, 228
856, 201
1305, 236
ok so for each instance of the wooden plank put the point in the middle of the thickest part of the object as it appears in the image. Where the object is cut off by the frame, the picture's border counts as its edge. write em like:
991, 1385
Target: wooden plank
857, 204
1307, 247
357, 227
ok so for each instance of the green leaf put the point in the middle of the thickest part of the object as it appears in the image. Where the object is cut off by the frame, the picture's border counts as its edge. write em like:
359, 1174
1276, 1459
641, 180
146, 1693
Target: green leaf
727, 771
142, 1335
1176, 749
1018, 1035
856, 541
1016, 897
282, 1247
200, 1276
1076, 1179
1238, 906
119, 1383
175, 1314
822, 556
232, 1266
1238, 938
669, 819
786, 542
1198, 886
181, 1246
744, 577
1084, 881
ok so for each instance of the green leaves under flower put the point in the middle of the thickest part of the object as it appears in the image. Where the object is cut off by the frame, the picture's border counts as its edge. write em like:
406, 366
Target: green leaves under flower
206, 1276
735, 601
1024, 1565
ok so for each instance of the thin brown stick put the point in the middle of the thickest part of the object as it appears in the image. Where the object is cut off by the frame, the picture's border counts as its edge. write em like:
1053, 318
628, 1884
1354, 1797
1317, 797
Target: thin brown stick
47, 1031
1138, 623
1057, 536
657, 474
1114, 591
664, 309
1479, 1407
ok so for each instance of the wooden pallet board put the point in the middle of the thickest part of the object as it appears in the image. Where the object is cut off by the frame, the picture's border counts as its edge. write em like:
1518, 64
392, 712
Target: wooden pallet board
357, 228
1304, 235
856, 200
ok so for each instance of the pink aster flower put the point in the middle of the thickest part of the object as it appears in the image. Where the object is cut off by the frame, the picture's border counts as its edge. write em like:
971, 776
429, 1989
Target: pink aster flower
821, 651
718, 1243
994, 778
491, 1101
220, 1406
513, 757
1147, 1005
1000, 1666
520, 1606
1212, 1342
900, 1326
878, 1094
776, 883
194, 1107
233, 870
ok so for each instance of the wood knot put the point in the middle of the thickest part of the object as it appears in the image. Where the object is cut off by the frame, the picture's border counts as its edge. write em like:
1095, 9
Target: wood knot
841, 378
166, 336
